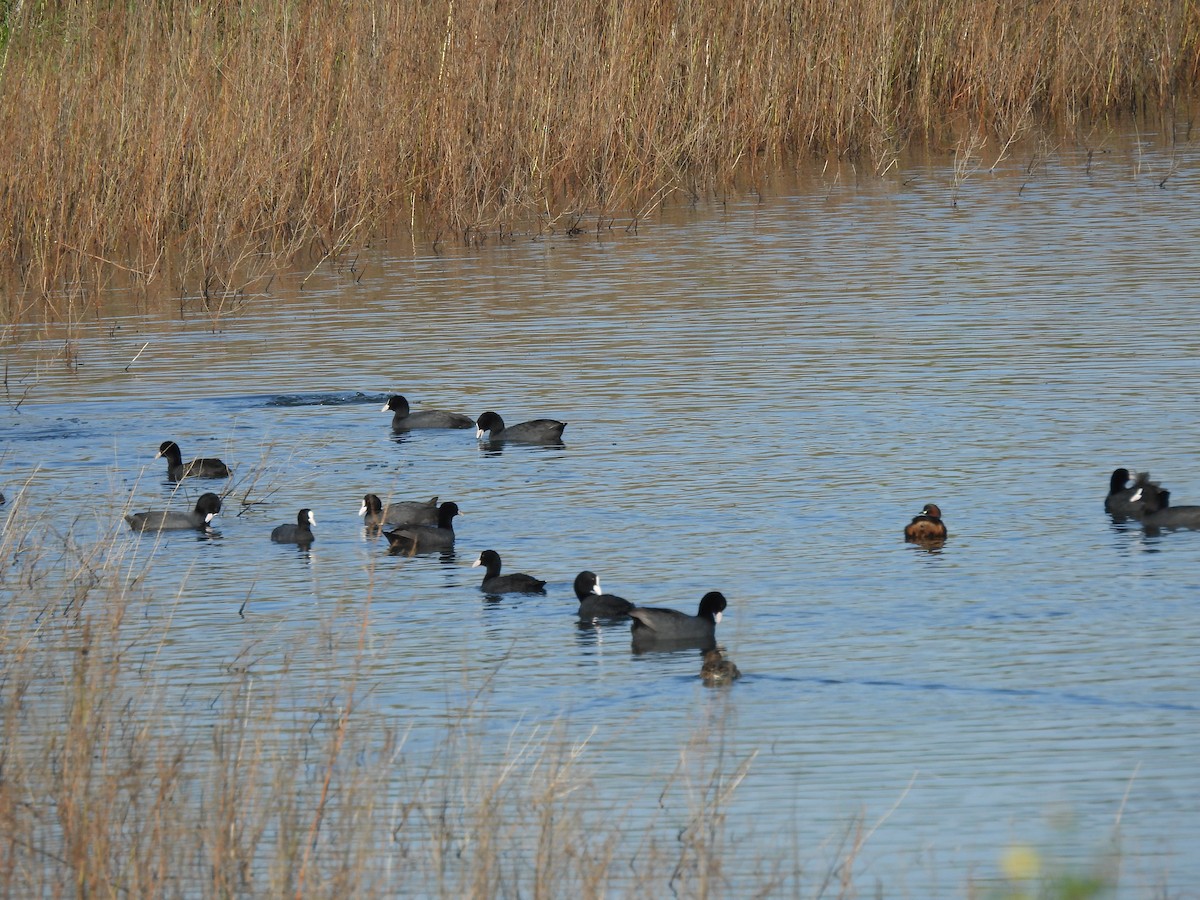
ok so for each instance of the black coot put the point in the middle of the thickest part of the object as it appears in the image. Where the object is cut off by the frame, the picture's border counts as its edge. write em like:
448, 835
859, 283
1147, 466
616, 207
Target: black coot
177, 469
411, 539
1152, 506
536, 431
1120, 503
300, 533
403, 419
495, 583
594, 604
207, 506
402, 512
668, 627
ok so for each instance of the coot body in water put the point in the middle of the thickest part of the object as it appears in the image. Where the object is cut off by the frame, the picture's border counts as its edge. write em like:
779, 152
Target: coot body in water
410, 539
1120, 503
536, 431
594, 603
669, 628
404, 419
300, 533
495, 583
207, 507
402, 512
1153, 507
177, 469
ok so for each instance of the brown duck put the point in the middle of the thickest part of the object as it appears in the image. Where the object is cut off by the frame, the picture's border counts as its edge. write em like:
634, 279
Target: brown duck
926, 528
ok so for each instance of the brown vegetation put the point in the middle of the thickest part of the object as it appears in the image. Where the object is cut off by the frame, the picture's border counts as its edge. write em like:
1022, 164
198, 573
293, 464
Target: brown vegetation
181, 143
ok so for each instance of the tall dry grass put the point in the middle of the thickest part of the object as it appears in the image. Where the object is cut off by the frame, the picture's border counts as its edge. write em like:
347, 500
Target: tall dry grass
180, 143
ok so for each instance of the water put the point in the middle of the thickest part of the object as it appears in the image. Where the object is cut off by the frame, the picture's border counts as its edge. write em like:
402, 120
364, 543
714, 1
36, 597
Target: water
759, 396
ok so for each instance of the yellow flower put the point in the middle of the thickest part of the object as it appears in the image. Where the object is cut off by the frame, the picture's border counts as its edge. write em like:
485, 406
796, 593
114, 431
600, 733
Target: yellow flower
1021, 862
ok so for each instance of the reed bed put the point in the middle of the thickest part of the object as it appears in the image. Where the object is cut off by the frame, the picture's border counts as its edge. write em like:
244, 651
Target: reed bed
198, 145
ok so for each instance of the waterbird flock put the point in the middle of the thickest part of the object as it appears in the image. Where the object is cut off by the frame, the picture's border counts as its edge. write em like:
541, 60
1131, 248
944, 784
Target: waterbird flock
426, 526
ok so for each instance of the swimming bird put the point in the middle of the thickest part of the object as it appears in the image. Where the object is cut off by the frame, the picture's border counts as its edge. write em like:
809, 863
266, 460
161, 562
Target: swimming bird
410, 539
1120, 503
207, 507
926, 528
1153, 507
402, 512
177, 469
717, 670
658, 627
300, 533
594, 604
403, 419
535, 431
495, 583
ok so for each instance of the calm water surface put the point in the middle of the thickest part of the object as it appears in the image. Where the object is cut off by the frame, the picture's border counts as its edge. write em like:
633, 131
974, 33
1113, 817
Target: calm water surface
759, 396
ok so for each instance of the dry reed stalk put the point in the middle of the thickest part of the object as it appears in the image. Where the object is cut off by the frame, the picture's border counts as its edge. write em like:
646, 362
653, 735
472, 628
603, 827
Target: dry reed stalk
186, 144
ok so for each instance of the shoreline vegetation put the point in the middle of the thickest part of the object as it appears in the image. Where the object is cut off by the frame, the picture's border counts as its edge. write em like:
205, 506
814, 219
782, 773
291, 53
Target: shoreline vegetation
198, 148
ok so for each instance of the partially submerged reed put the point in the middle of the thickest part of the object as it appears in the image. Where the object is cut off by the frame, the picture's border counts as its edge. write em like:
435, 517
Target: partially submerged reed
198, 145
